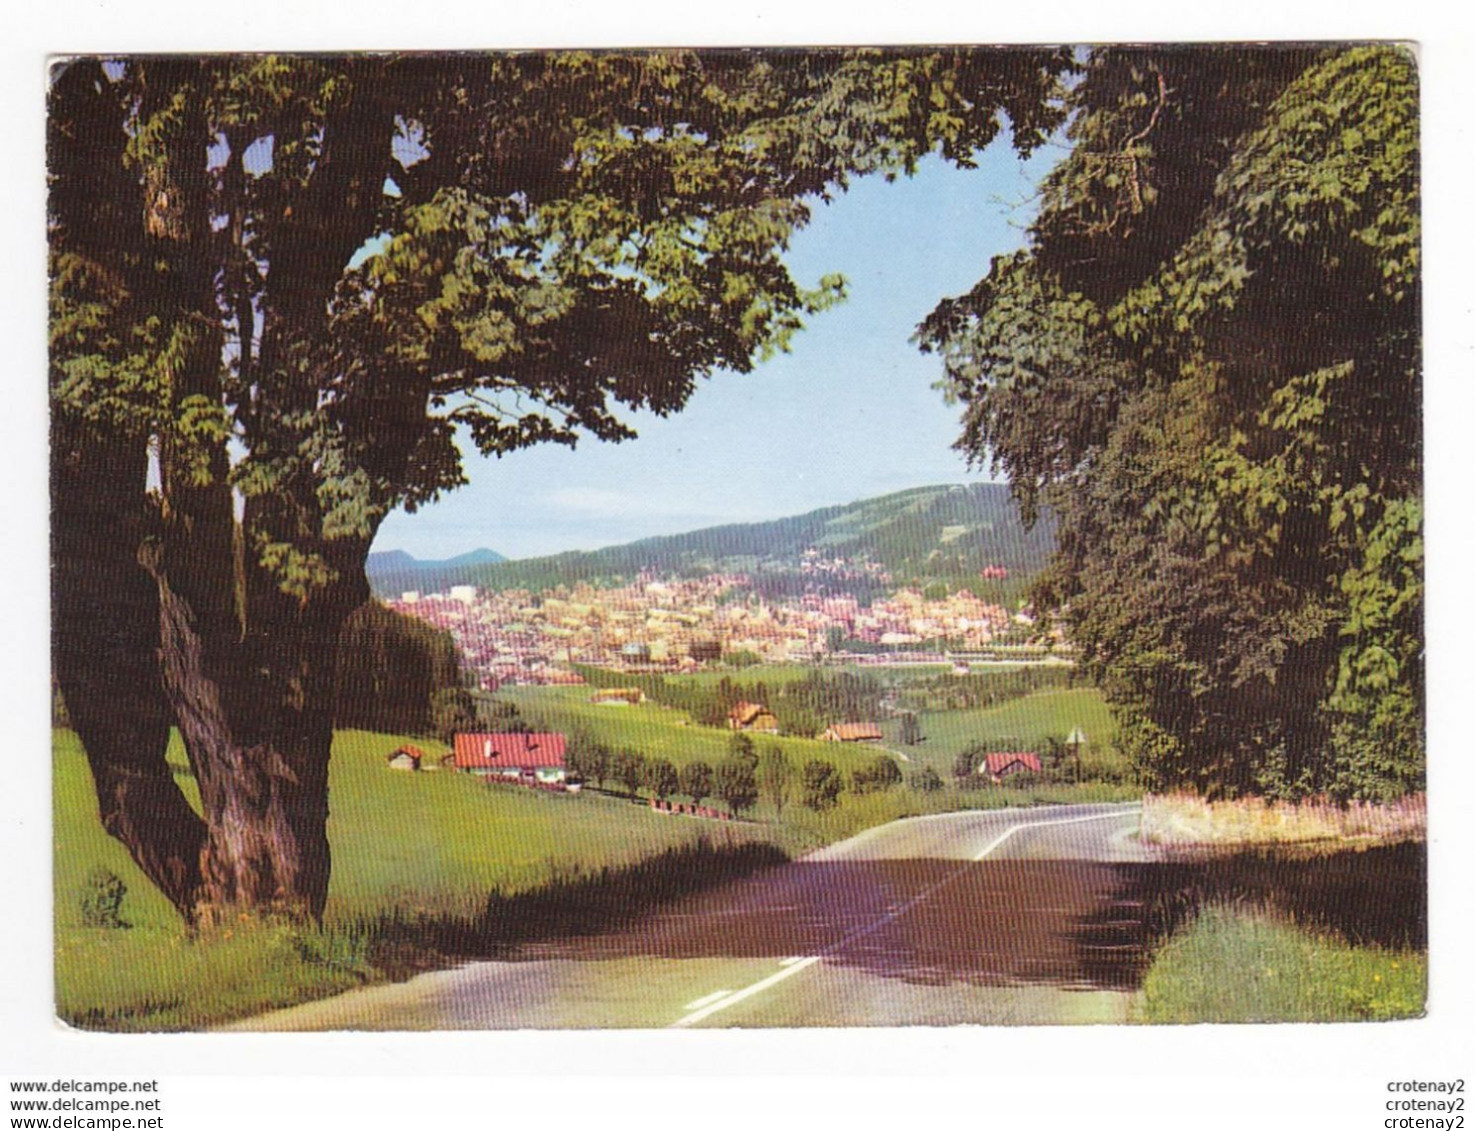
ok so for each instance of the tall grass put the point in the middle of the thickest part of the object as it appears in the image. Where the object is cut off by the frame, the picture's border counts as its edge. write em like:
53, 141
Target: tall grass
1183, 821
1231, 964
159, 980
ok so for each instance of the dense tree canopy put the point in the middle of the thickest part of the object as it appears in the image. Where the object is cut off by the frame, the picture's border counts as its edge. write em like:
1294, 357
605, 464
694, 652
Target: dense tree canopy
1207, 361
289, 282
393, 672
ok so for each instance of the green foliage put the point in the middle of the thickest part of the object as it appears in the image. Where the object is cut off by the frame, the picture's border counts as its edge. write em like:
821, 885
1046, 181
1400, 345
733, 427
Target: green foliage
804, 706
399, 674
1207, 363
1230, 965
948, 692
877, 777
412, 848
100, 902
659, 777
900, 533
820, 785
695, 780
452, 711
735, 783
775, 777
295, 280
911, 729
628, 768
742, 748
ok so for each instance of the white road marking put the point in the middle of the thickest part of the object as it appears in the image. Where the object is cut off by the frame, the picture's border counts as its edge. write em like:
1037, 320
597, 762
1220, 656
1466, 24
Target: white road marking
708, 1000
755, 988
993, 844
792, 966
792, 959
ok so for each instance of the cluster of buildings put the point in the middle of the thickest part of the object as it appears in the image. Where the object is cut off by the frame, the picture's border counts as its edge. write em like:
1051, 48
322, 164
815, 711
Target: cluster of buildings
668, 624
526, 758
907, 618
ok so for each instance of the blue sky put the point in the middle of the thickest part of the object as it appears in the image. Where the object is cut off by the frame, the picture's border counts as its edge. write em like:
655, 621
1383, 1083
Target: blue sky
849, 413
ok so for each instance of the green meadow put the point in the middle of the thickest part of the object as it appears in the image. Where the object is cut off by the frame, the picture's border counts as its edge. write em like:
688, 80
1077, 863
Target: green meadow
1027, 721
663, 732
423, 847
657, 731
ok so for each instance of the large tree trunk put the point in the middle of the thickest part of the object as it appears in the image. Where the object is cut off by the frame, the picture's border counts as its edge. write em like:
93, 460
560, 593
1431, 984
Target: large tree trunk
104, 653
245, 668
256, 714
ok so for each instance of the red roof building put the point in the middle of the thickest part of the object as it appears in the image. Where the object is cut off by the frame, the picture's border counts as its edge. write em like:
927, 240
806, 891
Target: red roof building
999, 766
509, 753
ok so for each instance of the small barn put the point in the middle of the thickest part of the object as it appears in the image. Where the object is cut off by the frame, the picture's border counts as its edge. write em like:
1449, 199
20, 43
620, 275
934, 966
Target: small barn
851, 732
407, 757
752, 716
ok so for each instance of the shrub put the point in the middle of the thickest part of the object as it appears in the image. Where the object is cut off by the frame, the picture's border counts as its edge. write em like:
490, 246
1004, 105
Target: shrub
925, 780
101, 899
880, 774
820, 785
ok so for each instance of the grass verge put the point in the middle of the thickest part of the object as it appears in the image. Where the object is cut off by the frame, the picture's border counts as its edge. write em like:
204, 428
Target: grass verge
1237, 965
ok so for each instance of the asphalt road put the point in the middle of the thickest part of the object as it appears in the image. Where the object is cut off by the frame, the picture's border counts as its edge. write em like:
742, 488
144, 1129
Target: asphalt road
996, 918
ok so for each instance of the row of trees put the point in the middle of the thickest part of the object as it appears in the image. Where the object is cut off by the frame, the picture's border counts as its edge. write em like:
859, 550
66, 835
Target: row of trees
734, 780
746, 775
1207, 363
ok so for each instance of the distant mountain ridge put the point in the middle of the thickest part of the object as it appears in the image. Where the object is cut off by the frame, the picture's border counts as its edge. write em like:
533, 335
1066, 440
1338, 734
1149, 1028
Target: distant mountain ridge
947, 534
395, 570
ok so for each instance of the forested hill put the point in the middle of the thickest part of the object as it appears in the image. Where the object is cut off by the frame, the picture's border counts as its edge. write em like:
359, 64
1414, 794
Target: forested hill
394, 571
921, 536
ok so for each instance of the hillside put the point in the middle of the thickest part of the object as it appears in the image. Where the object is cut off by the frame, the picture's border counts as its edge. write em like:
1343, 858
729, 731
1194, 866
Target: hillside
926, 534
394, 571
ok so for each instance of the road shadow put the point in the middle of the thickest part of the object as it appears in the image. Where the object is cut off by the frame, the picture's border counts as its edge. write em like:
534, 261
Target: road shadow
1072, 924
